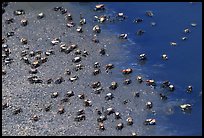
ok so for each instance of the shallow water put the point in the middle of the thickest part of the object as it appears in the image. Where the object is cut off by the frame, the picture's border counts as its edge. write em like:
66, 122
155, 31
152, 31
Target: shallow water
122, 54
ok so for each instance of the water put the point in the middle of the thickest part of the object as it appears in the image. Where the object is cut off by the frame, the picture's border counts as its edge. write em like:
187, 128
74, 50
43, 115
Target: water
184, 66
182, 69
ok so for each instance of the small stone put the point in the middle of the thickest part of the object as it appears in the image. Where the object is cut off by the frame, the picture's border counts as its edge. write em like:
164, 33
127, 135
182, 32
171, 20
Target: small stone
82, 21
109, 111
136, 94
9, 21
87, 102
162, 96
5, 105
184, 38
24, 22
80, 118
101, 126
70, 94
187, 30
97, 29
149, 105
139, 79
47, 108
123, 36
24, 41
80, 112
40, 15
96, 84
96, 71
96, 65
109, 96
113, 86
171, 87
102, 51
189, 89
149, 13
59, 80
119, 126
76, 59
81, 96
17, 111
117, 115
140, 32
99, 7
173, 43
33, 71
35, 118
9, 34
142, 56
127, 71
185, 107
127, 81
74, 78
61, 110
54, 95
150, 122
129, 121
63, 11
79, 29
19, 12
193, 24
164, 57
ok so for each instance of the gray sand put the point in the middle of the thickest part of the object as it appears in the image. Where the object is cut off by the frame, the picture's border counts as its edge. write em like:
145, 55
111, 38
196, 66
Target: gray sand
32, 98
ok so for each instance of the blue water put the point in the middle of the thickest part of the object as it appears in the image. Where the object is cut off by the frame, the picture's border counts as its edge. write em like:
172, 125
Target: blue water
184, 66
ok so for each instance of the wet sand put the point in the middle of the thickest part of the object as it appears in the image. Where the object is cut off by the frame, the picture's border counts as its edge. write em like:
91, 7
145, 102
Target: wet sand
32, 98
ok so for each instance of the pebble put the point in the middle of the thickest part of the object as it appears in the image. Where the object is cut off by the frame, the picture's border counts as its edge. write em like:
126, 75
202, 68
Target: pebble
35, 118
24, 22
101, 126
41, 15
70, 94
150, 122
54, 95
114, 85
185, 107
129, 121
119, 126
